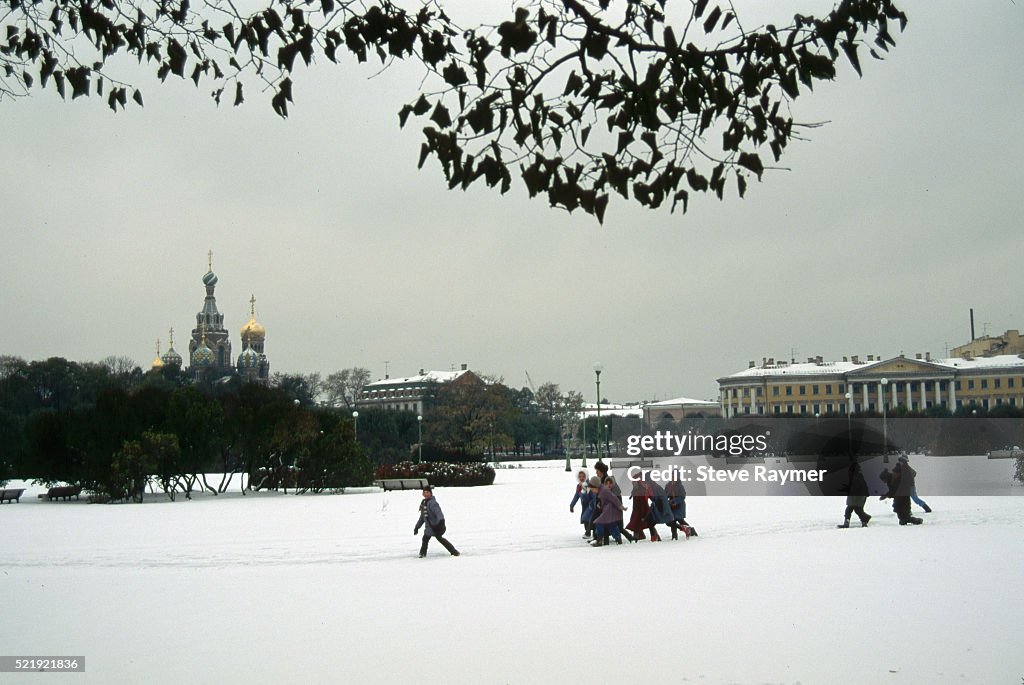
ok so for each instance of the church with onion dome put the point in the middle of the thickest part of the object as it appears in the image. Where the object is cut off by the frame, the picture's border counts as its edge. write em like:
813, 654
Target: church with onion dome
209, 347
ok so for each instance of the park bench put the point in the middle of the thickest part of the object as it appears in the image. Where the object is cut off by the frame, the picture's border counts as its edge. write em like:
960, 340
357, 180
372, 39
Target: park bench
11, 495
643, 463
401, 483
64, 492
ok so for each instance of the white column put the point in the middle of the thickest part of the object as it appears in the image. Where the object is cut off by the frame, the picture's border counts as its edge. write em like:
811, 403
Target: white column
881, 396
849, 404
753, 407
895, 398
952, 395
924, 397
938, 395
864, 387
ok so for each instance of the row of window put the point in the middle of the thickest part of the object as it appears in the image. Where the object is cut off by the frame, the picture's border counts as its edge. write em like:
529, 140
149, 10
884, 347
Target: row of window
840, 408
393, 392
899, 386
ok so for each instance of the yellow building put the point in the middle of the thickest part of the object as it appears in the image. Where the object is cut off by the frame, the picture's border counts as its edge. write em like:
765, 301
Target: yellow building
854, 385
1009, 342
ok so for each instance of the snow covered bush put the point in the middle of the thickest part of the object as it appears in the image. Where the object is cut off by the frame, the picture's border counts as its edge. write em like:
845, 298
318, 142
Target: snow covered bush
440, 474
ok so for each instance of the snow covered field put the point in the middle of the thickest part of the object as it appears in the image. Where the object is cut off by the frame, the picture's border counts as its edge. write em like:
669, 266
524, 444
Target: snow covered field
328, 588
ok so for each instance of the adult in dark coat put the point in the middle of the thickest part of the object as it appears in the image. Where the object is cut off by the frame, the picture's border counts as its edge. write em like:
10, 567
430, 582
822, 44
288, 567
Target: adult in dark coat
901, 482
856, 497
432, 520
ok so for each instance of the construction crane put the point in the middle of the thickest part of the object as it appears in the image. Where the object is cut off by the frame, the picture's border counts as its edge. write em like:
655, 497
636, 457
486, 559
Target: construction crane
529, 381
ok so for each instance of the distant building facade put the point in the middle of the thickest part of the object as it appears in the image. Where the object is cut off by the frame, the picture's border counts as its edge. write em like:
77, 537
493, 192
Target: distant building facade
817, 387
414, 393
680, 408
1009, 342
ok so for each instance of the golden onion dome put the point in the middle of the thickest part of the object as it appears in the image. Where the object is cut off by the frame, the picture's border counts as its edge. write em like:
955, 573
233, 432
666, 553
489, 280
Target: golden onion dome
253, 330
157, 363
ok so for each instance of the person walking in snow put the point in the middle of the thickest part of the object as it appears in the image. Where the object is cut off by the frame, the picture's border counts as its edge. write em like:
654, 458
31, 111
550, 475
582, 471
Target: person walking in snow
676, 492
856, 496
602, 473
432, 521
641, 510
913, 492
585, 498
611, 514
901, 482
661, 512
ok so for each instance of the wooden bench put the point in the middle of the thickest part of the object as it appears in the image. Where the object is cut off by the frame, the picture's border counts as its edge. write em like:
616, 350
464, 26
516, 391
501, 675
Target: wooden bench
642, 463
64, 492
401, 483
11, 495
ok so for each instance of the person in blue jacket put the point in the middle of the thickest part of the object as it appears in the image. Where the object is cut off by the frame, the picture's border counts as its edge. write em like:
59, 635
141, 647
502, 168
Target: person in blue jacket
661, 512
432, 518
585, 498
676, 492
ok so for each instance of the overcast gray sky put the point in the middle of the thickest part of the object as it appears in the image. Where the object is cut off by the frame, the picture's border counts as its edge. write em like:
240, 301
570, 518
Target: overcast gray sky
895, 218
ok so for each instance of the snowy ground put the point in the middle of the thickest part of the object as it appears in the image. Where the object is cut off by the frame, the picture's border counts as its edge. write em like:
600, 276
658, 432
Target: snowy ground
328, 588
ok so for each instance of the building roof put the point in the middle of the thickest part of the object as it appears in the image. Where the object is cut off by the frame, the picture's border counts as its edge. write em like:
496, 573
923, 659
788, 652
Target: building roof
1002, 361
683, 402
426, 377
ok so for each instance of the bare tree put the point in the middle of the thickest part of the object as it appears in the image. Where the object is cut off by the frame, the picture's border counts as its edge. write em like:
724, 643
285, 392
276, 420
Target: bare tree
342, 388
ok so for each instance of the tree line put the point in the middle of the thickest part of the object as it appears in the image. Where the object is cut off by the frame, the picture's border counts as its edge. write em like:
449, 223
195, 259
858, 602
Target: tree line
114, 429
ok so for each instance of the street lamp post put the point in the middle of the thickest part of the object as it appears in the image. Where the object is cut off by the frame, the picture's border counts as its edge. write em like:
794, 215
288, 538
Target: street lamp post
565, 446
849, 424
598, 368
419, 438
586, 446
355, 424
885, 426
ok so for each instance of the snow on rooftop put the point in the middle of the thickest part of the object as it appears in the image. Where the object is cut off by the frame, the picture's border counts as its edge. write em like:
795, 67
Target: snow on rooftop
828, 368
1008, 361
428, 377
682, 401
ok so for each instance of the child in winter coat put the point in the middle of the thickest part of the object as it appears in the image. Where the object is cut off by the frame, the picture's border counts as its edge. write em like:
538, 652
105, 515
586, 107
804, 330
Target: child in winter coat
676, 492
585, 498
611, 514
641, 510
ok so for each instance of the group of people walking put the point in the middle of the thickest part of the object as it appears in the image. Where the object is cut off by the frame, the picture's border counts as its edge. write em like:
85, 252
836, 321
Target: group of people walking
603, 512
901, 484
